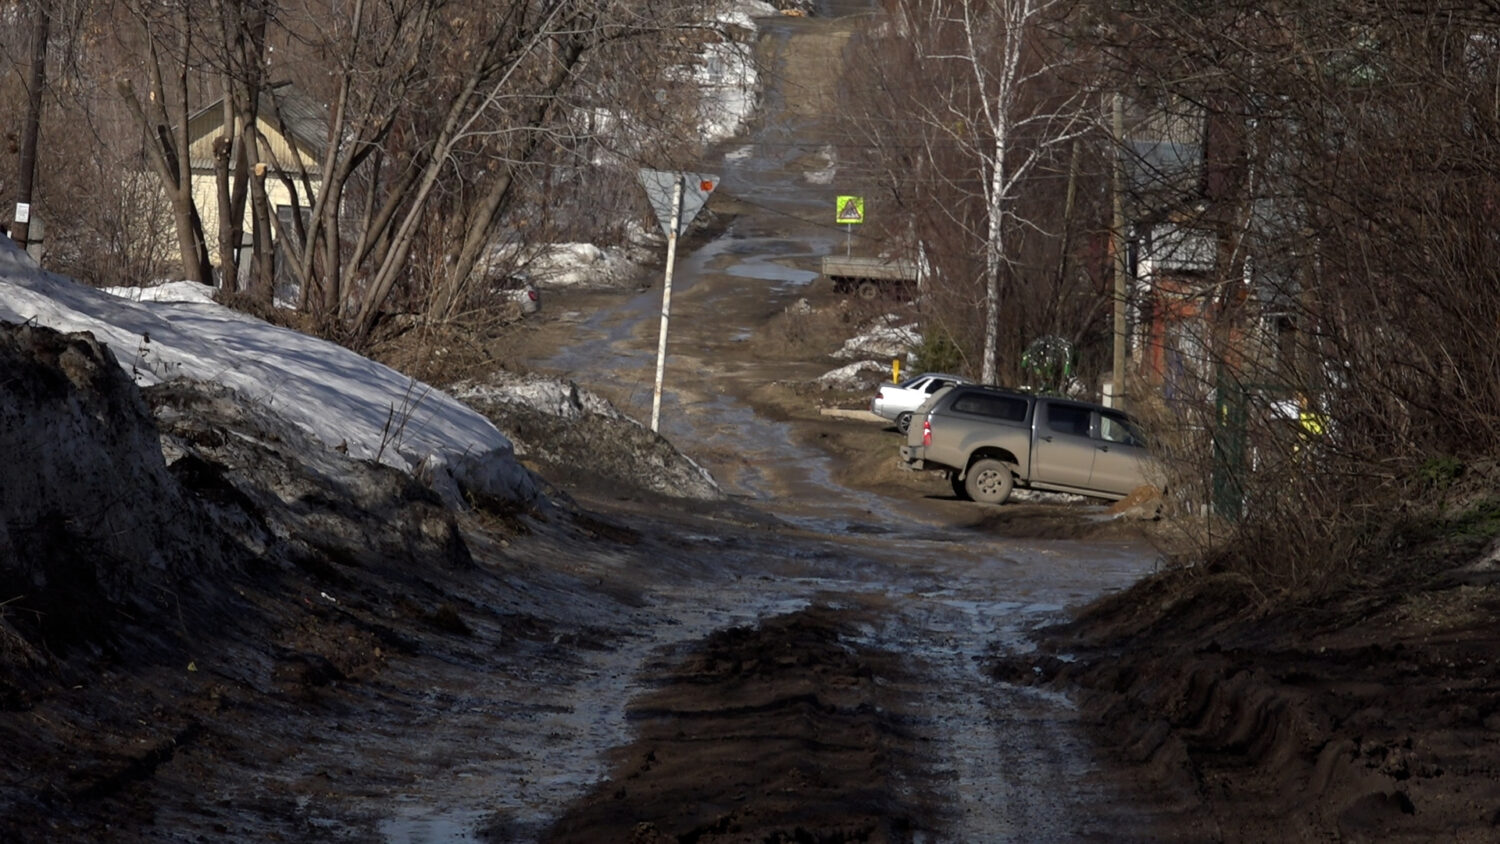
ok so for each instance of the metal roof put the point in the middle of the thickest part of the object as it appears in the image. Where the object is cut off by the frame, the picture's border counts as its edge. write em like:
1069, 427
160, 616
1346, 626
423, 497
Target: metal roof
303, 121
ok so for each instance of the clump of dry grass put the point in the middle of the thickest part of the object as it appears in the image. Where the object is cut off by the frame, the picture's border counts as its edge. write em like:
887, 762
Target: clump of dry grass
805, 331
448, 352
15, 651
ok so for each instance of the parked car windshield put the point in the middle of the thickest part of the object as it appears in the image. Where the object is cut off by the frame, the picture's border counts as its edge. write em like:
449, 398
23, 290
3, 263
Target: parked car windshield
933, 383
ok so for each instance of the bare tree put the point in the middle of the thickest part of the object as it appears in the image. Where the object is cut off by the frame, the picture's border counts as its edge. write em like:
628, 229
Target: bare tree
1343, 332
170, 61
512, 82
450, 125
31, 126
983, 116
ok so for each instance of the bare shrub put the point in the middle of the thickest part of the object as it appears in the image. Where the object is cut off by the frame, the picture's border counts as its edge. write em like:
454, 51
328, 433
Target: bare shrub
450, 351
809, 332
1344, 338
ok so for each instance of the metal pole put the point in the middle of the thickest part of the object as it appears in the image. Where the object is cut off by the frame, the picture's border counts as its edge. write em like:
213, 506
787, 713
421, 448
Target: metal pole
666, 303
1117, 245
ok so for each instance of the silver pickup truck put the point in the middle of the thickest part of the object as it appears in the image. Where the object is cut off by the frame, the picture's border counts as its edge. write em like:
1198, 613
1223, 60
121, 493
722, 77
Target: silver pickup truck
988, 440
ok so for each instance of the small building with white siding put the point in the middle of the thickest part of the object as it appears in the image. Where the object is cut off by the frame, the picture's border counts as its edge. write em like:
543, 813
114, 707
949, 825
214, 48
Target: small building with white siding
294, 136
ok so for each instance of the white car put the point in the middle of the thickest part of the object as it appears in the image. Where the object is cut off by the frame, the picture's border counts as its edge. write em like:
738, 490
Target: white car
896, 402
528, 297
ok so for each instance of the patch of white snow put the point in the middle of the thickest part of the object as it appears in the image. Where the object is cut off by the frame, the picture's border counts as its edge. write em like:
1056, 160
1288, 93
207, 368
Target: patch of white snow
886, 341
343, 399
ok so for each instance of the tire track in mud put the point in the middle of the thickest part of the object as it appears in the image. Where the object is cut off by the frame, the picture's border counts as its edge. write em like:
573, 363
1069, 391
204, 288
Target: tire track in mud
780, 731
866, 715
537, 733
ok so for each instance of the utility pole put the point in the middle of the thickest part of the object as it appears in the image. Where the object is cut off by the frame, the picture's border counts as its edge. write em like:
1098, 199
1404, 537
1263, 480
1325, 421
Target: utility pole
20, 230
1117, 249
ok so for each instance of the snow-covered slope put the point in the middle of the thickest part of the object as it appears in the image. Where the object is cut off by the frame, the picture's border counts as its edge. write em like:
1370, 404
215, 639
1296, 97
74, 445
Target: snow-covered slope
343, 399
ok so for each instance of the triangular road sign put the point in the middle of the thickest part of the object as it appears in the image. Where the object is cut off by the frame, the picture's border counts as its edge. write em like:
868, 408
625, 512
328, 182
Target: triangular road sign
851, 209
661, 184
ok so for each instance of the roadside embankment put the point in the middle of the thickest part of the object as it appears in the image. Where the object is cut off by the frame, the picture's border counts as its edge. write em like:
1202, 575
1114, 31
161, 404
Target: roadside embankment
1368, 713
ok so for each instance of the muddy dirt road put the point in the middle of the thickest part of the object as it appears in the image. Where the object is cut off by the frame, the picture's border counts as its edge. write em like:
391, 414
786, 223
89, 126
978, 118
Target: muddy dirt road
823, 660
822, 677
809, 661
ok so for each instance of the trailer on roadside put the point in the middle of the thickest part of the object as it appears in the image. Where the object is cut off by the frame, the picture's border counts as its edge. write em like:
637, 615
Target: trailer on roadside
871, 277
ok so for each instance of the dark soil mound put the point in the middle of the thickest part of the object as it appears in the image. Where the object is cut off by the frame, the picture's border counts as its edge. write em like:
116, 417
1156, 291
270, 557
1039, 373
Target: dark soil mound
1370, 714
163, 617
93, 527
782, 732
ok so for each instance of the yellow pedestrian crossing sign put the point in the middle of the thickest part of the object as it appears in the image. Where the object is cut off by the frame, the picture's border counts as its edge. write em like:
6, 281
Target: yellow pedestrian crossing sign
851, 209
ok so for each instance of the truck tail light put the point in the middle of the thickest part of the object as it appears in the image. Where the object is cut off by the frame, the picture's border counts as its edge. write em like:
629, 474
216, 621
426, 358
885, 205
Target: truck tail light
926, 432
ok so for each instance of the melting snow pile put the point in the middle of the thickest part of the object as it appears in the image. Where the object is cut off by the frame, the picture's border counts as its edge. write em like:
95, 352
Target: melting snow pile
855, 376
882, 340
558, 398
578, 435
581, 264
343, 399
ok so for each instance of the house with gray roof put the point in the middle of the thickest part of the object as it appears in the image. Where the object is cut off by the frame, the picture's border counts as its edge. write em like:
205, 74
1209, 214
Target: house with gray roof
293, 132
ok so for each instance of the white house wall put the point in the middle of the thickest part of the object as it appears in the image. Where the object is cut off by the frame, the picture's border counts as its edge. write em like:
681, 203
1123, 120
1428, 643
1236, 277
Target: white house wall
206, 195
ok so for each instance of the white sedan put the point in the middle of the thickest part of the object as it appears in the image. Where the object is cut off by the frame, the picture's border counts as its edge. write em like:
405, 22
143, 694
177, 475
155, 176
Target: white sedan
896, 402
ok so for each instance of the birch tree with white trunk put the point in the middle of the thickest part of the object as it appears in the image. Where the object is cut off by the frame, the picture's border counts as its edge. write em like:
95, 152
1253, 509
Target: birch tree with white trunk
1000, 113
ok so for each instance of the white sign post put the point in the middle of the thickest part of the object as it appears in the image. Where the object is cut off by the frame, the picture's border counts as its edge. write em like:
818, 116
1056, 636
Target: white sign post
677, 198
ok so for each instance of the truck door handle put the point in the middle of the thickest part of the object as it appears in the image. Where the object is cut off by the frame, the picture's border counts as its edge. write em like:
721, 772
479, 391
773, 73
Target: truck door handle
1047, 439
1102, 447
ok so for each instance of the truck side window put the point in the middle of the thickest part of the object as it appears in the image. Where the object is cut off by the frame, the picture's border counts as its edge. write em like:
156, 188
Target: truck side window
1066, 419
997, 407
1117, 428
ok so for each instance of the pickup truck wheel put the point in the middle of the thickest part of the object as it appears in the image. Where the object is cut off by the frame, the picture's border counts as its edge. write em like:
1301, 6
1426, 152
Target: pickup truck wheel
959, 491
903, 422
867, 290
989, 481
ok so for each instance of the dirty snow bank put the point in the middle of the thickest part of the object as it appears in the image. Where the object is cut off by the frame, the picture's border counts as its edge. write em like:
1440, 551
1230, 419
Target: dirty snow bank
883, 338
580, 437
855, 376
88, 510
727, 75
343, 399
581, 265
